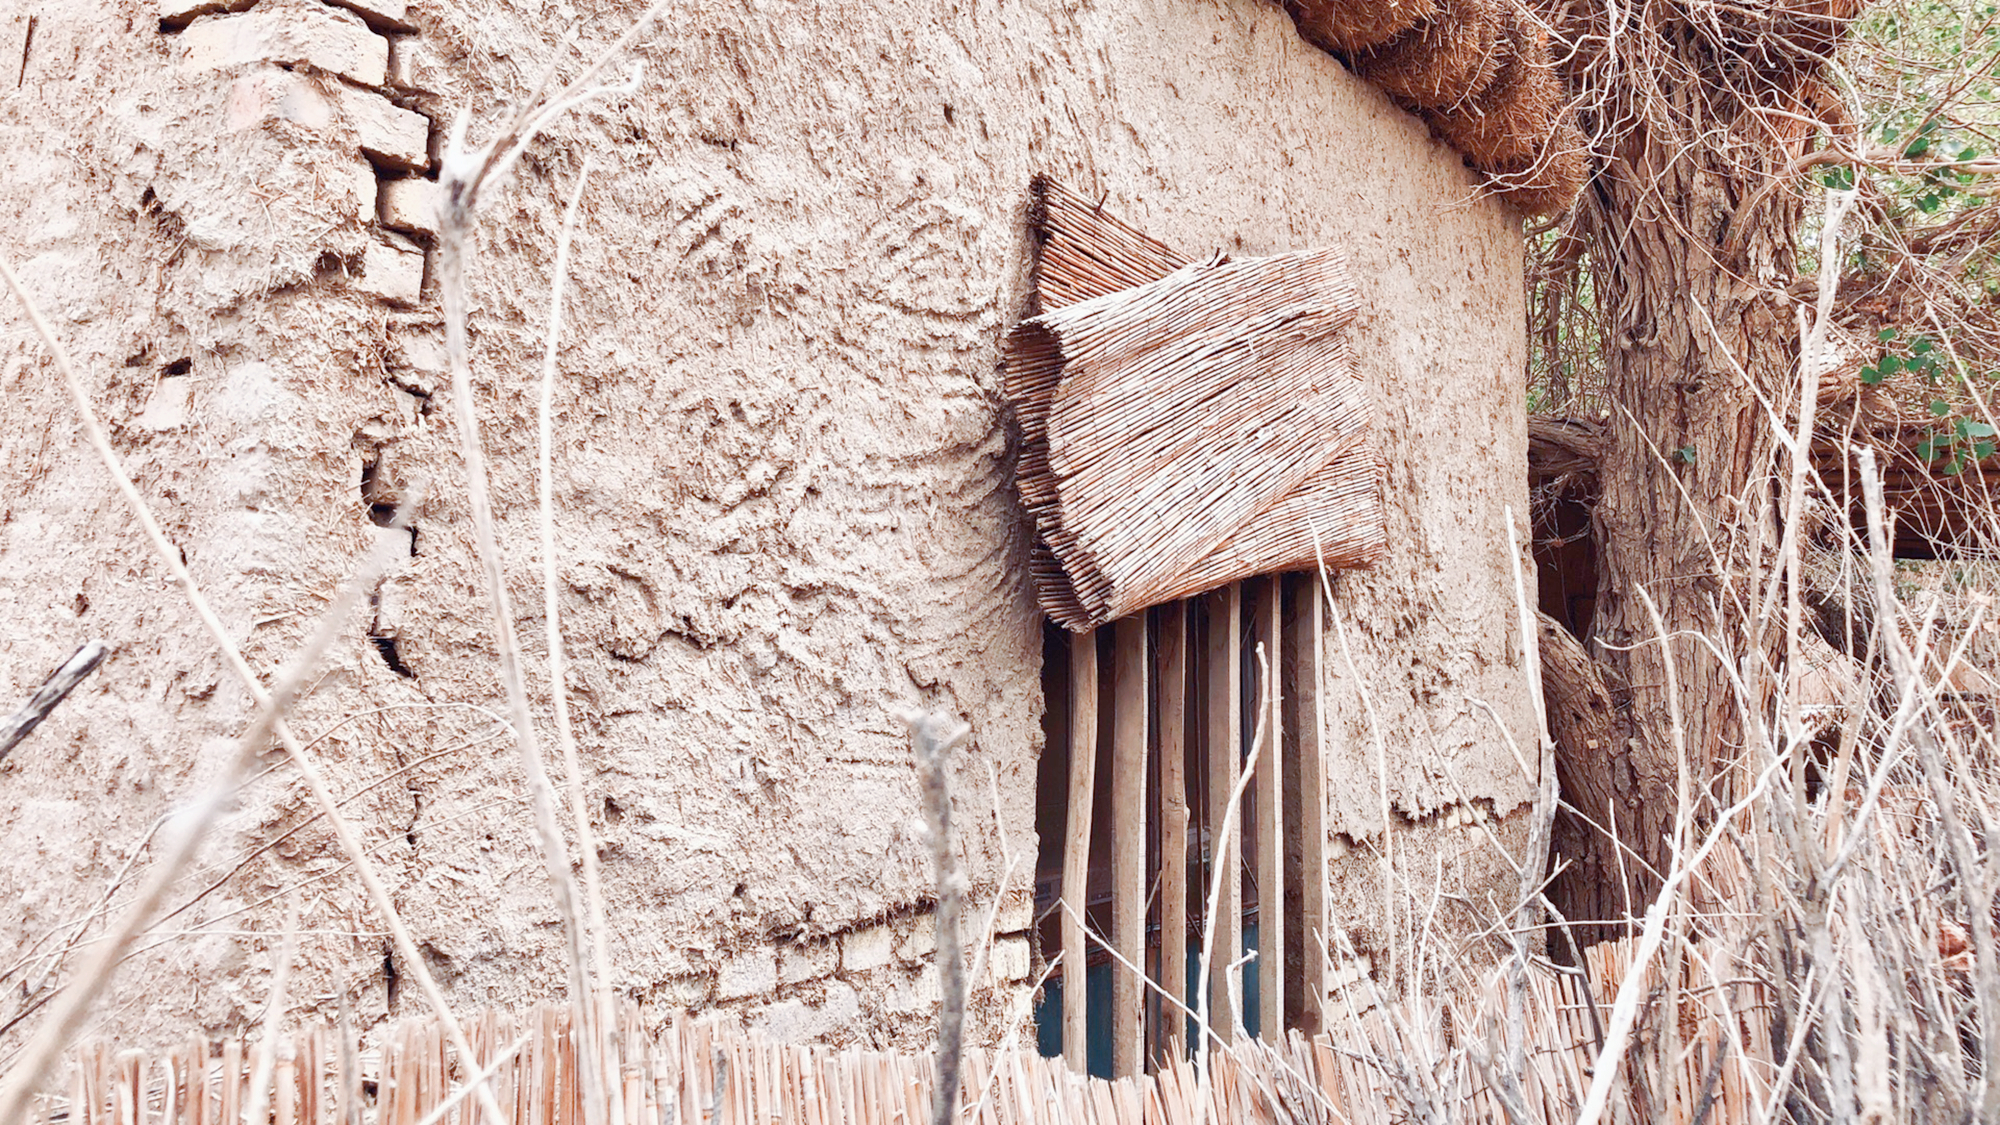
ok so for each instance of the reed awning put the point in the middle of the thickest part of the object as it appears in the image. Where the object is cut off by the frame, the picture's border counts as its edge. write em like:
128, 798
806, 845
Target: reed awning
1185, 424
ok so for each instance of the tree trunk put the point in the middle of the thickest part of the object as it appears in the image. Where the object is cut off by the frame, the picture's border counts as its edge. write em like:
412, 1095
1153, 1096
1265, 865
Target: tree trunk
1691, 288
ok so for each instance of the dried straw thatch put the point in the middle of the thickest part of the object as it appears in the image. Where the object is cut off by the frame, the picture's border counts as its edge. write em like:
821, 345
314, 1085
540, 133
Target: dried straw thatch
1442, 61
1184, 426
1506, 124
1547, 183
1348, 26
1182, 412
1482, 73
712, 1070
1082, 251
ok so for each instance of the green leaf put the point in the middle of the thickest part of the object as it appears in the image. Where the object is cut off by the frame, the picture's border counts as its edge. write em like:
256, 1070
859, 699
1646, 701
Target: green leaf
1890, 364
1929, 448
1871, 376
1884, 336
1922, 345
1839, 179
1917, 148
1685, 454
1929, 202
1976, 429
1982, 450
1940, 407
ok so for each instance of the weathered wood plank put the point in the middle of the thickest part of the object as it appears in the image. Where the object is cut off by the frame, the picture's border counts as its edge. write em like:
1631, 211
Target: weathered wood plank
1309, 828
1173, 819
1270, 809
1129, 710
1223, 688
1076, 840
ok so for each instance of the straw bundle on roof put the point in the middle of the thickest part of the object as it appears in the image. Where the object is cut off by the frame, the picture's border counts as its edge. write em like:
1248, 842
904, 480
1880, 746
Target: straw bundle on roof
1547, 183
1181, 414
1506, 123
1444, 60
1348, 26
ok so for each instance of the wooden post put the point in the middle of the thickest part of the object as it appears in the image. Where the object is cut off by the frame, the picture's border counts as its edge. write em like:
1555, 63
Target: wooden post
1225, 763
1129, 710
1269, 785
1309, 829
1076, 840
1173, 819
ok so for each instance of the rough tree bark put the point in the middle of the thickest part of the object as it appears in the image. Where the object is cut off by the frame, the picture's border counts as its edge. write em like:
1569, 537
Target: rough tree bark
1689, 257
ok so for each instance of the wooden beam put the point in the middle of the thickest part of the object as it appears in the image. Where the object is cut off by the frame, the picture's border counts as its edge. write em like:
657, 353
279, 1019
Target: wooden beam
1309, 829
1173, 821
1224, 687
1129, 709
1270, 819
1076, 841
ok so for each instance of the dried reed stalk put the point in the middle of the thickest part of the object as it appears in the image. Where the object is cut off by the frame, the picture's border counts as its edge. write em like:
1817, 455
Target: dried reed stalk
464, 173
1508, 122
935, 736
1444, 60
1347, 26
586, 844
1181, 413
60, 683
1084, 253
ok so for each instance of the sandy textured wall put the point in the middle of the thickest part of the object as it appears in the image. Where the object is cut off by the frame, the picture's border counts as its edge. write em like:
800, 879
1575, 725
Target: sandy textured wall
782, 466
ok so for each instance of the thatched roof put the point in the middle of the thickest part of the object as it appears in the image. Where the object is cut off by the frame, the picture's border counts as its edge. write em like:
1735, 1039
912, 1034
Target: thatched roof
1479, 71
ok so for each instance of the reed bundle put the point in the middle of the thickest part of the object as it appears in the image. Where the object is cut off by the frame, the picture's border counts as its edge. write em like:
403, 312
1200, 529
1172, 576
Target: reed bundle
1481, 72
1082, 251
1442, 61
1508, 123
1184, 425
1348, 26
1547, 183
711, 1069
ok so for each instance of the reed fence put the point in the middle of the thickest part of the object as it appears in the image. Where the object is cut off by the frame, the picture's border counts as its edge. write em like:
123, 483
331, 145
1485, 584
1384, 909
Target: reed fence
1371, 1068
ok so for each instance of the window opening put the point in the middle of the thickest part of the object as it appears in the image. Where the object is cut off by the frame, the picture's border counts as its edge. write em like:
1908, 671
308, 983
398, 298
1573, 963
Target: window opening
1158, 714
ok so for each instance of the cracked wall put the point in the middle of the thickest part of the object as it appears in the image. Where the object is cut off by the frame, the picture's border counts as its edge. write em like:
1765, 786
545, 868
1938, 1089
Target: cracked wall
782, 468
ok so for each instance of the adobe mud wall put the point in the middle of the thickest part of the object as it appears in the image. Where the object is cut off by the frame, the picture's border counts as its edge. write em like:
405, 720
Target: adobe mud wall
782, 468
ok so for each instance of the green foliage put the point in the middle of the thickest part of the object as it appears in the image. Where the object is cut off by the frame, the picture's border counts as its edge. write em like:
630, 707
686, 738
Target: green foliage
1920, 359
1954, 448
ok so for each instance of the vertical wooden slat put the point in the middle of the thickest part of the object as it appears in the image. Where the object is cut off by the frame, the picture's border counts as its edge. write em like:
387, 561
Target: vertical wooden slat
79, 1091
1269, 785
1076, 840
132, 1087
1224, 688
232, 1080
285, 1088
1309, 762
1173, 818
1129, 711
343, 1104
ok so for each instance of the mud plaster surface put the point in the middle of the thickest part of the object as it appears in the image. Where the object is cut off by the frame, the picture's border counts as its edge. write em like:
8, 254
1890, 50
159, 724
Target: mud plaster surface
781, 480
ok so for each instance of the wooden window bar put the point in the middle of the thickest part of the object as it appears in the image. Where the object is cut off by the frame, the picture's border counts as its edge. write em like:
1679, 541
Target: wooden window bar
1171, 708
